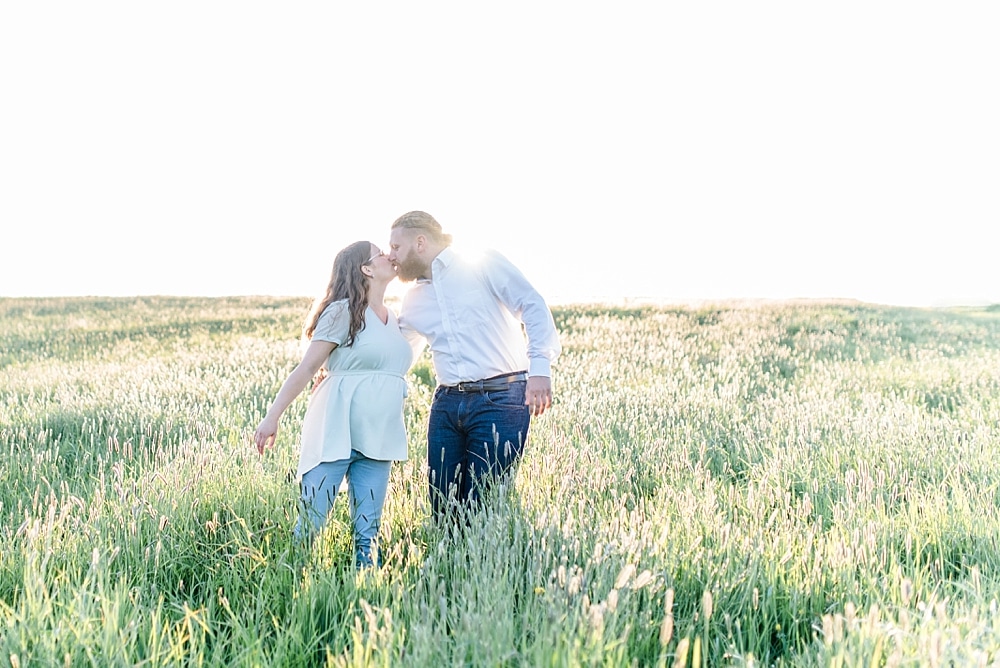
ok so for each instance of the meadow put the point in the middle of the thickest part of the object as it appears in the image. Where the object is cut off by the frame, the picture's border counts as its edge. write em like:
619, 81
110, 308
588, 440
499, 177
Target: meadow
794, 484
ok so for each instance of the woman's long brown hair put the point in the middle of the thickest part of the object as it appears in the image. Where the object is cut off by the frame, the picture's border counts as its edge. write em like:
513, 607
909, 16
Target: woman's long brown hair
346, 282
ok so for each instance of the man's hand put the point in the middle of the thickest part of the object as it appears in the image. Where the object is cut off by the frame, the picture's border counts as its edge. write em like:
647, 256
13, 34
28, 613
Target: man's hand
318, 378
538, 394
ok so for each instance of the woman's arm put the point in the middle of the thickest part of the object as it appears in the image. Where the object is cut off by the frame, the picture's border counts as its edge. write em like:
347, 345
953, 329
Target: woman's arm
312, 360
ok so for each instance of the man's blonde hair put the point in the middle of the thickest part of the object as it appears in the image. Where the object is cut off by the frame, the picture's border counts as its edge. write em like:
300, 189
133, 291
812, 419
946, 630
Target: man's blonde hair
420, 220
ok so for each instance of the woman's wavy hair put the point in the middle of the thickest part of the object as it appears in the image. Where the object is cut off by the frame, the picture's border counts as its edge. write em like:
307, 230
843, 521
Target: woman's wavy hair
347, 281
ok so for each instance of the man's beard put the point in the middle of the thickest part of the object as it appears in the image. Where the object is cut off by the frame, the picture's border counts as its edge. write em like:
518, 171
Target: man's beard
410, 269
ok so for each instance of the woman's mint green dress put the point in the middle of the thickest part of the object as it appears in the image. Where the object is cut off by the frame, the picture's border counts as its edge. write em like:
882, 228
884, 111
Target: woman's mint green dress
359, 406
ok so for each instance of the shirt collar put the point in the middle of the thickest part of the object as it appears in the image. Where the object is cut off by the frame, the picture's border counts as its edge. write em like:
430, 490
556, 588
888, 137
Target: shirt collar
442, 261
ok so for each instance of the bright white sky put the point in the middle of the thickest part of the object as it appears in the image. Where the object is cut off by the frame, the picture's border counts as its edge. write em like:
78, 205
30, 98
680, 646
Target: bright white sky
677, 151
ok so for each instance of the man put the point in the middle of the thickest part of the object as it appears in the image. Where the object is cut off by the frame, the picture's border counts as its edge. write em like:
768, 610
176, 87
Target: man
491, 378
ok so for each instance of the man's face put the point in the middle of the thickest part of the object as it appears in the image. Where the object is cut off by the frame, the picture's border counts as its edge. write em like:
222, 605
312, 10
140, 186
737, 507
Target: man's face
404, 254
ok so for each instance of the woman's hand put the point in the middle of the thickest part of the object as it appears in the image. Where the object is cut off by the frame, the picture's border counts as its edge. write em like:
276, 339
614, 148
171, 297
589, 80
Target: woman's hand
266, 432
316, 353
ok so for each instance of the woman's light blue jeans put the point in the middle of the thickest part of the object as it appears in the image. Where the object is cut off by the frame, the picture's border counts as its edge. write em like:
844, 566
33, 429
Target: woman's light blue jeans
367, 484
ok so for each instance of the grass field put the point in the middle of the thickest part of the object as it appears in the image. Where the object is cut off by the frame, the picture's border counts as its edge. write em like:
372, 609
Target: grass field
769, 484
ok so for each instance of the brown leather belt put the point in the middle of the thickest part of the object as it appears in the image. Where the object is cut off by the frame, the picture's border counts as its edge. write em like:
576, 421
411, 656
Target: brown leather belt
494, 384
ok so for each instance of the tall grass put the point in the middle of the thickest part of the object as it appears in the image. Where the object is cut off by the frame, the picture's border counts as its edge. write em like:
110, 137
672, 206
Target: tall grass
786, 484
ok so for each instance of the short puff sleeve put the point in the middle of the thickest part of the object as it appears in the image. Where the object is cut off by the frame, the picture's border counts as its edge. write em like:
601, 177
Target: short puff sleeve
334, 323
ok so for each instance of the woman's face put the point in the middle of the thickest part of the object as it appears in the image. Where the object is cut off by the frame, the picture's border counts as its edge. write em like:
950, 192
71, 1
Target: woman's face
380, 265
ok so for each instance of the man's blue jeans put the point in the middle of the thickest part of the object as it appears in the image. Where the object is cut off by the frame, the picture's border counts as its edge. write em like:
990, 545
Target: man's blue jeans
474, 440
367, 484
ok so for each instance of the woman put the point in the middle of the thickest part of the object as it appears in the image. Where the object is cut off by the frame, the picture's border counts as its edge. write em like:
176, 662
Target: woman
353, 425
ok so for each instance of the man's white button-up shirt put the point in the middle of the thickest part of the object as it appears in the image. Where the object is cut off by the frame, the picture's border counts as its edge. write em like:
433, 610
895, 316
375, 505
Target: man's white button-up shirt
471, 313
